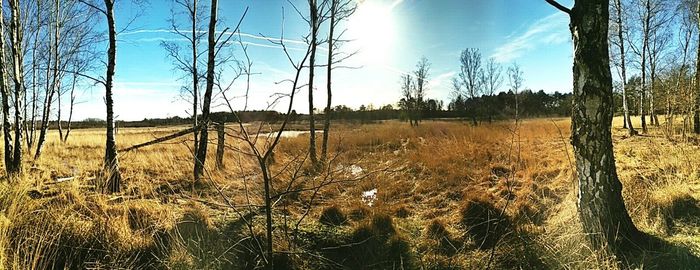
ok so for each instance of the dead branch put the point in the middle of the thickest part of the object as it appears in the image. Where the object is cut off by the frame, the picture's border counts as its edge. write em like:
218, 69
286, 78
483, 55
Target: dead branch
163, 139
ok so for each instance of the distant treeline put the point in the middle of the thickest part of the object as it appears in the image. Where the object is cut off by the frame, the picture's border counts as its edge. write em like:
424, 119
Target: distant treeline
501, 106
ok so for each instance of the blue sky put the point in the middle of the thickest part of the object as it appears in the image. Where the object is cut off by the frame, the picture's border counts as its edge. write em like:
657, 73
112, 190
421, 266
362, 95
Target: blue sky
529, 32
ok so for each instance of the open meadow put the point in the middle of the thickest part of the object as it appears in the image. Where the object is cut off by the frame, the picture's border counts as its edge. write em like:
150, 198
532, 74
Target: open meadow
350, 134
443, 195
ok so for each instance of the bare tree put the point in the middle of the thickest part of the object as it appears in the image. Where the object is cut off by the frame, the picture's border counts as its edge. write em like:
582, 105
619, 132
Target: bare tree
314, 23
617, 39
187, 60
64, 137
215, 43
201, 156
601, 208
679, 96
36, 26
53, 73
491, 80
13, 151
111, 162
515, 81
408, 100
422, 78
470, 74
654, 16
659, 41
110, 169
339, 11
78, 62
6, 125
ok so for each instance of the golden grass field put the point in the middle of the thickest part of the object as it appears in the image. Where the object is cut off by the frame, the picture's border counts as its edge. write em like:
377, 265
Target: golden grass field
426, 180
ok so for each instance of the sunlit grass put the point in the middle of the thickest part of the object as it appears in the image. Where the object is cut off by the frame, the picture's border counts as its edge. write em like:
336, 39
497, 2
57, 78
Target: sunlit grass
424, 176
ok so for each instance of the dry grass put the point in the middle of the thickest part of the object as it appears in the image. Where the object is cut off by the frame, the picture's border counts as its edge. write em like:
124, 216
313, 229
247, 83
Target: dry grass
423, 177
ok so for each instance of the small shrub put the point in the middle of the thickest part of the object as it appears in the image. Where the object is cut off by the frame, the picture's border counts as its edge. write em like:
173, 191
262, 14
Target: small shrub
483, 221
376, 245
333, 216
359, 213
383, 224
436, 230
402, 212
439, 238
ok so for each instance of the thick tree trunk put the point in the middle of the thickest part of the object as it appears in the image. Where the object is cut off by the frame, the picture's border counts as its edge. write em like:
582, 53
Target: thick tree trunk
601, 207
312, 124
329, 92
4, 91
18, 77
111, 165
204, 134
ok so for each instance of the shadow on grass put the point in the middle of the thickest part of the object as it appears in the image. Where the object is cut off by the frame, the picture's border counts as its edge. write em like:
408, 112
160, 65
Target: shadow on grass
657, 253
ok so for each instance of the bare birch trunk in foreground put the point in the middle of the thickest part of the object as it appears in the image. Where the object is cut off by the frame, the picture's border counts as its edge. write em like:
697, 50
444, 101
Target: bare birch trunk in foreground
601, 207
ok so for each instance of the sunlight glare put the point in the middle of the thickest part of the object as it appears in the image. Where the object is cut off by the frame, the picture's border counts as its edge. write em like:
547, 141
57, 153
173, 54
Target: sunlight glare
372, 28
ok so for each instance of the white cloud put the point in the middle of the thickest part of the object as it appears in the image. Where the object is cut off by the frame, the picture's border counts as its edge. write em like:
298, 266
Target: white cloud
549, 30
439, 80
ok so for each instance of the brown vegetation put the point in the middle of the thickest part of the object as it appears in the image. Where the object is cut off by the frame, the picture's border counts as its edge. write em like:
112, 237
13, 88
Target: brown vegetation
431, 181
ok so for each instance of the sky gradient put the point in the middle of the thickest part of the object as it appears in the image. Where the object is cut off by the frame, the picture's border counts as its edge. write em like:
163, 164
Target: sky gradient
389, 35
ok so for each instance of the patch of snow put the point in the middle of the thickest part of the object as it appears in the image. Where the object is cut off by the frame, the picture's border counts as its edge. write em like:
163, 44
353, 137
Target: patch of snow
355, 170
369, 197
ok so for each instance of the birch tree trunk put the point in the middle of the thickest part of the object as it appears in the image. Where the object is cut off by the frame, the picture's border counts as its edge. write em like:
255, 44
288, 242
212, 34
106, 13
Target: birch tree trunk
623, 69
312, 125
31, 129
4, 91
204, 134
55, 83
70, 109
645, 47
601, 208
18, 78
329, 92
111, 162
195, 83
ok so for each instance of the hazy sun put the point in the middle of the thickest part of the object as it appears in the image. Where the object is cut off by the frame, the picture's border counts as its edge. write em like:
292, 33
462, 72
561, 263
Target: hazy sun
372, 28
